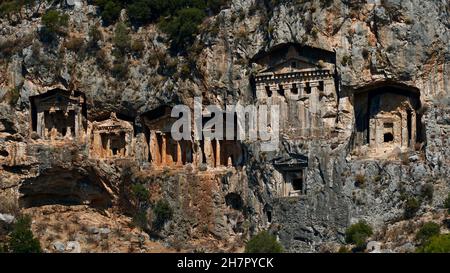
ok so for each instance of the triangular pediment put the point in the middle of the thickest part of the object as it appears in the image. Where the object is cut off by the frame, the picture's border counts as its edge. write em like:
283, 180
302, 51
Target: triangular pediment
58, 99
293, 64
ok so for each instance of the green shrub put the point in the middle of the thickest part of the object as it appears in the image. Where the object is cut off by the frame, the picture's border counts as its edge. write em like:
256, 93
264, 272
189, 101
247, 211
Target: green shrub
54, 24
427, 231
412, 206
122, 38
21, 238
140, 192
447, 203
140, 219
54, 21
9, 7
427, 192
183, 27
95, 35
143, 11
162, 212
358, 234
109, 10
263, 242
436, 244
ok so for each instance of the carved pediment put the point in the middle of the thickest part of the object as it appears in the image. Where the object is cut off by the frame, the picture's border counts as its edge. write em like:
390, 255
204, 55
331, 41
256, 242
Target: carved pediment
291, 162
113, 124
295, 64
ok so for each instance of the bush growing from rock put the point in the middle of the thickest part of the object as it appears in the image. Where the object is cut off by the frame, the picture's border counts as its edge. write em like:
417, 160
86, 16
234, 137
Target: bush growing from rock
140, 219
412, 206
447, 203
122, 39
162, 213
436, 244
427, 191
182, 27
263, 242
21, 239
358, 234
54, 21
109, 10
427, 231
140, 192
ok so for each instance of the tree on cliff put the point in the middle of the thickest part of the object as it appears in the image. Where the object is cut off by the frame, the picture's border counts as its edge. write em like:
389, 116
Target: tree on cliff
21, 239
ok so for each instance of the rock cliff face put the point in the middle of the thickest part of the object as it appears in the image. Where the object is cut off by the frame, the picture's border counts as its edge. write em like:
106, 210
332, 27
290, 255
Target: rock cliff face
358, 157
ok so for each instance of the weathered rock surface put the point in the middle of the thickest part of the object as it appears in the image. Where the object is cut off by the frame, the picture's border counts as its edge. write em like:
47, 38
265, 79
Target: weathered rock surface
401, 42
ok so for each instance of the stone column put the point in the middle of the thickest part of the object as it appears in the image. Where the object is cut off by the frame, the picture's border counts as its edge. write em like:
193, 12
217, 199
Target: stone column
207, 149
40, 124
108, 147
413, 129
164, 150
217, 153
404, 129
274, 89
314, 104
287, 87
372, 133
77, 124
261, 90
179, 156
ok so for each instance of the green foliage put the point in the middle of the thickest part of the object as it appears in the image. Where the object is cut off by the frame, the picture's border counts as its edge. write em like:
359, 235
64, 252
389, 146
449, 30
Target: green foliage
143, 11
427, 192
436, 244
10, 7
358, 233
183, 27
54, 20
263, 242
140, 219
140, 192
109, 10
21, 238
54, 23
427, 231
178, 18
95, 35
412, 206
122, 38
447, 203
162, 213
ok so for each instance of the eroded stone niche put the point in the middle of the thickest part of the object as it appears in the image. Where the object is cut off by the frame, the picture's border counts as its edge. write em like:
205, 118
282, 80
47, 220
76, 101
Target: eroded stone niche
301, 80
386, 118
59, 114
165, 151
292, 171
112, 138
63, 187
222, 152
